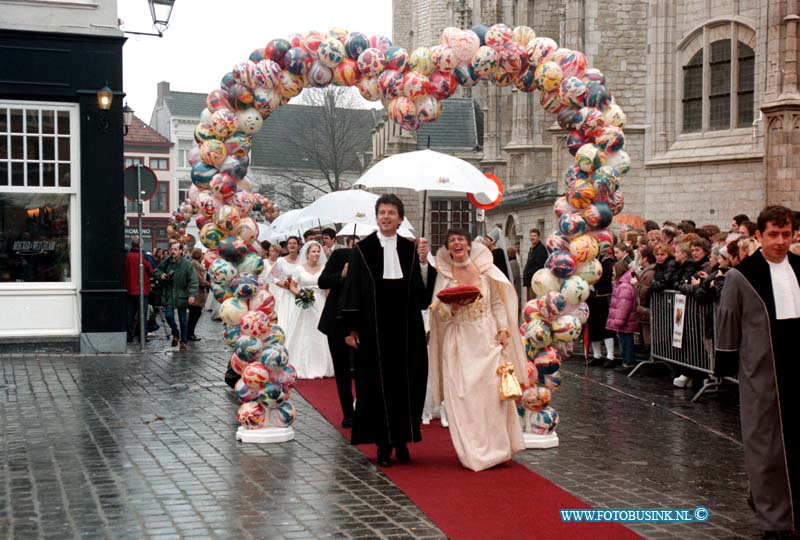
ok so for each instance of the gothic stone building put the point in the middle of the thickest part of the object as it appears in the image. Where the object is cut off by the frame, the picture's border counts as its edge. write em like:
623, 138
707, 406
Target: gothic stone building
709, 87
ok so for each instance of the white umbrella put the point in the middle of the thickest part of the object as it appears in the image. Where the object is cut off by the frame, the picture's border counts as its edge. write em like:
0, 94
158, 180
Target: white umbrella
264, 232
428, 170
346, 206
357, 229
290, 223
405, 232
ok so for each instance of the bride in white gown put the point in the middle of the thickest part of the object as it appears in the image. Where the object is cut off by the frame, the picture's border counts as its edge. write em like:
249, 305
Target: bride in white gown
307, 346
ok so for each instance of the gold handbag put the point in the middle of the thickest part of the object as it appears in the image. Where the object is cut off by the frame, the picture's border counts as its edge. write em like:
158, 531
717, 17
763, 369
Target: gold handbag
509, 385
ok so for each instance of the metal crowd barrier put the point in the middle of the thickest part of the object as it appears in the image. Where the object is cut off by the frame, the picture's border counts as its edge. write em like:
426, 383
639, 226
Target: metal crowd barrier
697, 343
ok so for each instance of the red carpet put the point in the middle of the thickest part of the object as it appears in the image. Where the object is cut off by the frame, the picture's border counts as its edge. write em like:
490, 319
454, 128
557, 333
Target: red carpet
506, 502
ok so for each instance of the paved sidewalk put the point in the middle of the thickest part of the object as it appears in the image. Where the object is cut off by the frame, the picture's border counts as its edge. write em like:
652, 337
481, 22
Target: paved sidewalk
142, 445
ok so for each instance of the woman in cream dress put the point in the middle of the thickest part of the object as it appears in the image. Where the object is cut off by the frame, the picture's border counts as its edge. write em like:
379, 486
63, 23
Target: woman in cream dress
467, 345
282, 273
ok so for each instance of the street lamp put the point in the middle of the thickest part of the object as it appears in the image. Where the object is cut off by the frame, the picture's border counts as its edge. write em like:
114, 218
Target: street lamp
104, 98
127, 119
160, 12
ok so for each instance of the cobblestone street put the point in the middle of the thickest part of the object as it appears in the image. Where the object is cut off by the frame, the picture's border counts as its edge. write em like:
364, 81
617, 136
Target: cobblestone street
142, 445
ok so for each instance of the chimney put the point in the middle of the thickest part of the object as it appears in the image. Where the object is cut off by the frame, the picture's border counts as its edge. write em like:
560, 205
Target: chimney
163, 91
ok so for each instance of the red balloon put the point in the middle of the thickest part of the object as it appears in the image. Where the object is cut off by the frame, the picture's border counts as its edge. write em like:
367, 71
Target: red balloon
443, 85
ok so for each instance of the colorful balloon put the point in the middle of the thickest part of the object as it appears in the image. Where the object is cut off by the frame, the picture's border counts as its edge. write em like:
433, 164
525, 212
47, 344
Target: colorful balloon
251, 415
371, 62
255, 324
346, 73
575, 289
355, 44
583, 248
544, 281
232, 310
421, 61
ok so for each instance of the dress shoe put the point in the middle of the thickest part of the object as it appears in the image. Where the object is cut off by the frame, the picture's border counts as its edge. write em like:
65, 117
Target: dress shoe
612, 363
625, 368
595, 362
184, 347
347, 423
194, 338
384, 456
401, 453
175, 341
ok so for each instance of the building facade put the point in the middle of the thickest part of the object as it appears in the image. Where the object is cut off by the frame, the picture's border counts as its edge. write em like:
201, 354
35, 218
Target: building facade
146, 146
709, 89
61, 249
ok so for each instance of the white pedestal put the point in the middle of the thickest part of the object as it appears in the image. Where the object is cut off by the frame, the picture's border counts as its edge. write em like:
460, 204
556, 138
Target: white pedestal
264, 435
540, 442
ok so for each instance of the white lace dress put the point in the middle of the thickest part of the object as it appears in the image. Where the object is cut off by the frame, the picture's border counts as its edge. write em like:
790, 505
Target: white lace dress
307, 346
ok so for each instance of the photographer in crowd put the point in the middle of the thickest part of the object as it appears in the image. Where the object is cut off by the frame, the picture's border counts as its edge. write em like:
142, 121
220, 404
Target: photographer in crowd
179, 290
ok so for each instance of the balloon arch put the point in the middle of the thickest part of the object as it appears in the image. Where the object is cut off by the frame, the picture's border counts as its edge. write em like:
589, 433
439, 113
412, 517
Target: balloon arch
411, 87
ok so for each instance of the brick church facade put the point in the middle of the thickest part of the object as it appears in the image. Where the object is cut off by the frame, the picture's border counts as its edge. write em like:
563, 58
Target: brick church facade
710, 91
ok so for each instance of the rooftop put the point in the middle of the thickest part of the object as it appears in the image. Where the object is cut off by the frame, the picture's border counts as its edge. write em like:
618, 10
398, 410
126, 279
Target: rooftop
140, 134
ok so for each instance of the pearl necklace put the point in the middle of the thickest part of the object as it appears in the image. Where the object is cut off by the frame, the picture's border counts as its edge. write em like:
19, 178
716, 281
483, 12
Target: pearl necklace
462, 264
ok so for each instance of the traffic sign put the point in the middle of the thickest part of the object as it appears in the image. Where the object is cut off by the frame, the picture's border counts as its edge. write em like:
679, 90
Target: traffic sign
149, 183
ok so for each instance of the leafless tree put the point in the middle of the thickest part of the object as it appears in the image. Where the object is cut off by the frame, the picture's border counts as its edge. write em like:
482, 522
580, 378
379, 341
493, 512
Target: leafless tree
332, 142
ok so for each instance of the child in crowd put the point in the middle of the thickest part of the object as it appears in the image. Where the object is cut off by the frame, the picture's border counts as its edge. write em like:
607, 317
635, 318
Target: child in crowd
622, 312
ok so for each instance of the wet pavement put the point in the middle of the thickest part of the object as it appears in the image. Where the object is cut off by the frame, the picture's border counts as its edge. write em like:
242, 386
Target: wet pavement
142, 445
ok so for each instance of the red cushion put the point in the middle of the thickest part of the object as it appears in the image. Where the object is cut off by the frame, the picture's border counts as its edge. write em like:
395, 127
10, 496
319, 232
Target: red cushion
461, 294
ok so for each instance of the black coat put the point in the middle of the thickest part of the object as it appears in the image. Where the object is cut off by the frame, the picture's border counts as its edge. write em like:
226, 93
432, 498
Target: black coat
537, 256
665, 276
499, 257
331, 279
599, 302
391, 361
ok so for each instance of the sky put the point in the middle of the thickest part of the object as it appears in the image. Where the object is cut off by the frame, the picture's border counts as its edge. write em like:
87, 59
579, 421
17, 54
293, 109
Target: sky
204, 40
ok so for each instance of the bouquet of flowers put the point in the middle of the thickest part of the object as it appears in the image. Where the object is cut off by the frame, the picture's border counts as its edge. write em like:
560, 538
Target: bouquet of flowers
304, 298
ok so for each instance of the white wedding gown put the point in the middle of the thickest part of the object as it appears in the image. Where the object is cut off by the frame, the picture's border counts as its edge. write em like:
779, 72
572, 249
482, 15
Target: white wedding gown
307, 346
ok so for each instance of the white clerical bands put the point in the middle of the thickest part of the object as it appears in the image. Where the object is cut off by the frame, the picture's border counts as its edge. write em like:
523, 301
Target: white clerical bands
391, 262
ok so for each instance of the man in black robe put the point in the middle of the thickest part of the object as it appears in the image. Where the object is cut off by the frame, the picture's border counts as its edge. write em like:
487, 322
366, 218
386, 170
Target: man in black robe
758, 323
332, 278
380, 309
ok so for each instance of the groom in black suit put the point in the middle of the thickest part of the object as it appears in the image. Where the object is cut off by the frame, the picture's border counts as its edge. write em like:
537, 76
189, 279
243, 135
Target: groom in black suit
332, 278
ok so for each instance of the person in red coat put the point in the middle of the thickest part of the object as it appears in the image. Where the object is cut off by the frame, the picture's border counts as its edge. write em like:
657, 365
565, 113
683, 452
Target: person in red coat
132, 286
622, 312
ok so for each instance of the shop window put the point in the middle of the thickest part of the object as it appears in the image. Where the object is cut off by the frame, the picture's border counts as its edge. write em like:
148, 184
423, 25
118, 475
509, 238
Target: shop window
37, 192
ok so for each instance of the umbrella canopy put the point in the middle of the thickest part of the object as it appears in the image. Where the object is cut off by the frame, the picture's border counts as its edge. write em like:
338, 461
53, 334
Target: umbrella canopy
351, 206
347, 206
405, 232
428, 170
290, 223
264, 232
357, 229
631, 220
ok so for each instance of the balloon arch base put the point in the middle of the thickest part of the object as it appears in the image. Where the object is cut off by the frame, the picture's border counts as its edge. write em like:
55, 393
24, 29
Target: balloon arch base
540, 442
264, 435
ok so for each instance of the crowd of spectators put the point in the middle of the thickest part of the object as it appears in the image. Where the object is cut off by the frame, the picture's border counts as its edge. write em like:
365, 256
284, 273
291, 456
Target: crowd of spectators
674, 256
